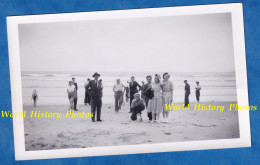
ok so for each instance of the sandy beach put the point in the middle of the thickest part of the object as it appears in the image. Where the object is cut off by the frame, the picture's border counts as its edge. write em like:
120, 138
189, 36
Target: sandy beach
117, 129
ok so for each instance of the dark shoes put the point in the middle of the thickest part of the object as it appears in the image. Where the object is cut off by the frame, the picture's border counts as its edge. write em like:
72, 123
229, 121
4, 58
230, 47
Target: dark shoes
97, 121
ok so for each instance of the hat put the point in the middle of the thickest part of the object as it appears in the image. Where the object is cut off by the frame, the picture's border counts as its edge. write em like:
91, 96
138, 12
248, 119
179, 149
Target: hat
136, 94
96, 74
185, 80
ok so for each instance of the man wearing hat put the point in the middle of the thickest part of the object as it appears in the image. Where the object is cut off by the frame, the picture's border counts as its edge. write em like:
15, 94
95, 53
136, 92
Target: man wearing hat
187, 93
96, 88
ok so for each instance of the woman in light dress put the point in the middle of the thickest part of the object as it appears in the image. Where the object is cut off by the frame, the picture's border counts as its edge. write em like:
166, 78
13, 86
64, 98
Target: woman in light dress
167, 91
155, 105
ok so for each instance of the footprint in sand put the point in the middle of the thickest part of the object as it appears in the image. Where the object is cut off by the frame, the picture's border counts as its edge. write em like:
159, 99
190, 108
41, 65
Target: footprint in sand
204, 125
42, 145
64, 146
125, 139
61, 135
167, 133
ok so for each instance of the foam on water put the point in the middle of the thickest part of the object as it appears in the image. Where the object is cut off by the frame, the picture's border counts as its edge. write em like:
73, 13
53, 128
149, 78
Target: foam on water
52, 86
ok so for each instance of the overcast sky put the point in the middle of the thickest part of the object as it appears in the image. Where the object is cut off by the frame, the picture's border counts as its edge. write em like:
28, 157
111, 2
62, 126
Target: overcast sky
198, 43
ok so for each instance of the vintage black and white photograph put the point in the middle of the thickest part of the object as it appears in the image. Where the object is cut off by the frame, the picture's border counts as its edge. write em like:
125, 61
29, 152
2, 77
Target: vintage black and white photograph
127, 81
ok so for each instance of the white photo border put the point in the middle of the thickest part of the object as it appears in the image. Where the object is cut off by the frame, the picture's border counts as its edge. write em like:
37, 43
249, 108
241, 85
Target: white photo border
236, 10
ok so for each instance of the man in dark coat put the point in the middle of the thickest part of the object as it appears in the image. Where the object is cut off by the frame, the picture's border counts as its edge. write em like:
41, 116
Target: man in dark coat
96, 88
187, 93
133, 90
76, 94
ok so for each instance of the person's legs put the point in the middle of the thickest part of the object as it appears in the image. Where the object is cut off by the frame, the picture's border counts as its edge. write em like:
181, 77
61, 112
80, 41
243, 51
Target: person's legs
198, 97
158, 117
167, 116
93, 108
164, 114
153, 117
139, 118
120, 100
75, 103
71, 102
99, 105
88, 98
34, 102
126, 99
133, 115
186, 100
85, 100
150, 116
116, 102
139, 112
131, 99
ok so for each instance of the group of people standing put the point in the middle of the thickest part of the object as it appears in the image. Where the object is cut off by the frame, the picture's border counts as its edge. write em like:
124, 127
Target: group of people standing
153, 97
155, 93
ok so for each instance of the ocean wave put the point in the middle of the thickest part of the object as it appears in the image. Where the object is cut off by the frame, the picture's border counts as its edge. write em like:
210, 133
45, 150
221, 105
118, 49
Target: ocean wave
46, 75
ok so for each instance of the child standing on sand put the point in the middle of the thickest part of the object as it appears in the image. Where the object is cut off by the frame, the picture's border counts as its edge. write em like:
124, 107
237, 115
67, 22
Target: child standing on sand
34, 97
137, 106
71, 94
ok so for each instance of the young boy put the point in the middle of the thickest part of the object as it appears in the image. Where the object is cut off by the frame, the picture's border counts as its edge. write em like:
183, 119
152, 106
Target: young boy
197, 89
71, 94
137, 106
34, 97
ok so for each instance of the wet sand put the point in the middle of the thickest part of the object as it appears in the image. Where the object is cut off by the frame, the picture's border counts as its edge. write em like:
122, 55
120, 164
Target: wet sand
117, 128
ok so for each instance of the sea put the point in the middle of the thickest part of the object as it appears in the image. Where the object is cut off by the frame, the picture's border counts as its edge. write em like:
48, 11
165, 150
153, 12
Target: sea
52, 86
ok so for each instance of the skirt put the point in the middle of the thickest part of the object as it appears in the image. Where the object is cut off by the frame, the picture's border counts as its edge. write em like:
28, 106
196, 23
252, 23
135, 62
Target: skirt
155, 105
166, 100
